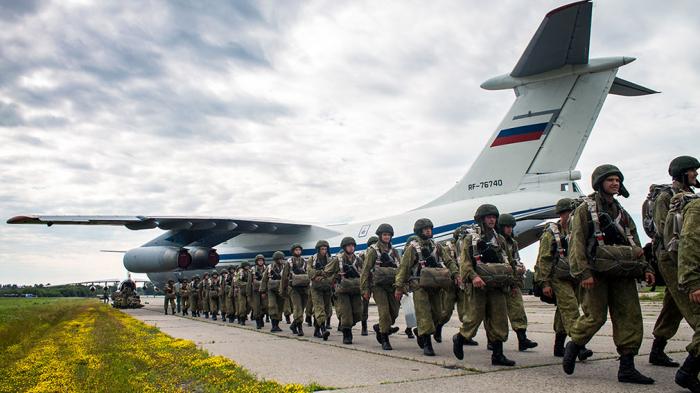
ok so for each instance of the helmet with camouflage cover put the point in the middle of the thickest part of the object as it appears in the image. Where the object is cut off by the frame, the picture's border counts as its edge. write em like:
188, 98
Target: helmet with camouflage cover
372, 240
296, 245
485, 210
680, 165
196, 277
277, 255
506, 220
259, 256
604, 171
421, 224
384, 228
322, 243
245, 264
347, 241
564, 205
215, 274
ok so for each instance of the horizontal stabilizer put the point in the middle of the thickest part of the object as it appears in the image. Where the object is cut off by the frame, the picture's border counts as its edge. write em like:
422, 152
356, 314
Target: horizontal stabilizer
562, 38
625, 88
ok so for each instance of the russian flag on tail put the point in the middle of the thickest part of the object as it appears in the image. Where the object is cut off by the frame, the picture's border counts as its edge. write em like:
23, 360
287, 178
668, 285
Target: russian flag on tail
530, 132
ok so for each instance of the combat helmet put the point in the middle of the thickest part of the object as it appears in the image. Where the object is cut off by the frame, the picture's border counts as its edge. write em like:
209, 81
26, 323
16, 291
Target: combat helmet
296, 245
485, 210
604, 171
347, 241
564, 205
277, 255
259, 256
245, 264
506, 220
372, 240
680, 165
384, 228
322, 243
421, 224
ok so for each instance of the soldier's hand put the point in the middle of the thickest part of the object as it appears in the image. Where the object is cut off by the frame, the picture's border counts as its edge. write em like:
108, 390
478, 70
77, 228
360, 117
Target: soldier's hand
478, 282
458, 282
650, 278
547, 291
695, 296
398, 295
365, 296
588, 283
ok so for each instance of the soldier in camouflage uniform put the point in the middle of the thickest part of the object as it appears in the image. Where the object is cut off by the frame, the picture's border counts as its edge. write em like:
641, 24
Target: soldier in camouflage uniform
229, 297
244, 277
455, 295
185, 295
381, 254
348, 307
612, 226
320, 288
194, 296
553, 273
204, 295
516, 307
421, 253
487, 304
169, 292
214, 287
299, 295
257, 302
365, 301
683, 171
223, 276
689, 282
270, 287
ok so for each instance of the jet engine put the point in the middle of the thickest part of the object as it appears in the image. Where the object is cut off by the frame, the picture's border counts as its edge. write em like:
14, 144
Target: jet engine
203, 258
157, 259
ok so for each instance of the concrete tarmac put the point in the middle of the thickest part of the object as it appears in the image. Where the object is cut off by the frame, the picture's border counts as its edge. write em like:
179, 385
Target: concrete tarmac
365, 367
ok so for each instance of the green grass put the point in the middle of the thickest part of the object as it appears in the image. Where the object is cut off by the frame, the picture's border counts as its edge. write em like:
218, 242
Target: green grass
67, 345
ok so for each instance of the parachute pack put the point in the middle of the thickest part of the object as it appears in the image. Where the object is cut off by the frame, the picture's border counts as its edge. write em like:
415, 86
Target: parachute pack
648, 208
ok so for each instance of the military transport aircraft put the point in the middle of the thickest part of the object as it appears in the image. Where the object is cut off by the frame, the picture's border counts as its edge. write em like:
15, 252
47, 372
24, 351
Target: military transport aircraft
527, 164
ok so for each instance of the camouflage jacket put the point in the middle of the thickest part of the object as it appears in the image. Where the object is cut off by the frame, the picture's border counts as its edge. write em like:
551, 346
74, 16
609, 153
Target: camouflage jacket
294, 265
411, 259
547, 256
370, 261
466, 255
689, 248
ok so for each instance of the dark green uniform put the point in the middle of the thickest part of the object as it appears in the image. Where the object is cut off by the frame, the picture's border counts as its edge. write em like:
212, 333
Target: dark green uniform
348, 306
185, 295
516, 307
214, 289
271, 285
194, 296
298, 295
257, 303
387, 305
204, 295
169, 292
320, 288
245, 293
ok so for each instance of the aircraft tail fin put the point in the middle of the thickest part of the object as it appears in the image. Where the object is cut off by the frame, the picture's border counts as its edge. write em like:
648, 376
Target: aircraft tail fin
559, 93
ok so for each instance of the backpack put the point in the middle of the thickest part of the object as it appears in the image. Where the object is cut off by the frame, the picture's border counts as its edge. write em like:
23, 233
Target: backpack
674, 222
648, 208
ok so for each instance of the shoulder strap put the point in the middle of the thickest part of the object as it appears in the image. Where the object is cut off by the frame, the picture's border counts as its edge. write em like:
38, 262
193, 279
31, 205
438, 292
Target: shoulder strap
593, 210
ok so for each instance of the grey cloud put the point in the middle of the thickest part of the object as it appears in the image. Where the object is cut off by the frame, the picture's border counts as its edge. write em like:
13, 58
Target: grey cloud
13, 10
10, 115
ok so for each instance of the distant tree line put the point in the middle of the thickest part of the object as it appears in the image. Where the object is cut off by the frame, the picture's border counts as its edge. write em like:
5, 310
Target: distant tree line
41, 290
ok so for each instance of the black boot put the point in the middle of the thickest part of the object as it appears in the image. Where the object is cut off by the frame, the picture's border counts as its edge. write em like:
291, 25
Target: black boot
471, 342
308, 321
584, 354
317, 332
658, 357
458, 346
300, 330
438, 333
559, 340
275, 326
386, 345
242, 320
267, 317
166, 311
393, 330
687, 375
428, 346
293, 328
377, 333
420, 340
364, 328
286, 319
497, 357
325, 333
570, 352
230, 319
628, 374
347, 336
259, 323
213, 316
524, 343
409, 333
489, 345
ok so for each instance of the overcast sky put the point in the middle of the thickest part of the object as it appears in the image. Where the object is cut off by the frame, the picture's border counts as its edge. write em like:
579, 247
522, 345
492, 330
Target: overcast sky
325, 111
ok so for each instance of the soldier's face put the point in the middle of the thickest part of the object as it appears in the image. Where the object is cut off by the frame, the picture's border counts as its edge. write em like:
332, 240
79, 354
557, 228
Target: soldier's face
490, 221
611, 185
692, 176
427, 232
507, 230
386, 237
350, 248
564, 216
297, 252
323, 250
260, 262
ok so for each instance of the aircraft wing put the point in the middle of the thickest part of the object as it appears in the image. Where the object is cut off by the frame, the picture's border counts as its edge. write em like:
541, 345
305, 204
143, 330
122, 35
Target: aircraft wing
185, 230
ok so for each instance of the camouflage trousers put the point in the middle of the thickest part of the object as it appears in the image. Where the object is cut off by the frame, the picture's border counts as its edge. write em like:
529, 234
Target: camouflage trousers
349, 309
451, 297
214, 302
387, 307
204, 301
428, 306
185, 302
489, 306
275, 305
298, 297
194, 299
242, 306
620, 297
516, 310
170, 300
310, 305
229, 303
322, 305
287, 306
568, 297
258, 306
676, 306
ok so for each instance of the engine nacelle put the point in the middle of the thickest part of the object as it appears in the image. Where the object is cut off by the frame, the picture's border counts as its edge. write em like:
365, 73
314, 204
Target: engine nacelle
156, 259
203, 258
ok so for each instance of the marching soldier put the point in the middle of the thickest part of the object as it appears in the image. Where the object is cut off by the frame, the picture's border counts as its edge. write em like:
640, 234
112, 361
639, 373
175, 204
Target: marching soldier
676, 306
270, 286
223, 277
602, 233
689, 281
320, 288
257, 302
245, 292
214, 286
169, 292
553, 272
296, 282
419, 256
365, 302
185, 295
345, 272
377, 279
455, 295
486, 269
194, 296
229, 296
204, 294
516, 307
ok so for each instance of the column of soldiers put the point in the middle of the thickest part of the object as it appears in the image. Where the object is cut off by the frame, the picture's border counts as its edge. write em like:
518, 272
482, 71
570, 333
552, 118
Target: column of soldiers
589, 263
